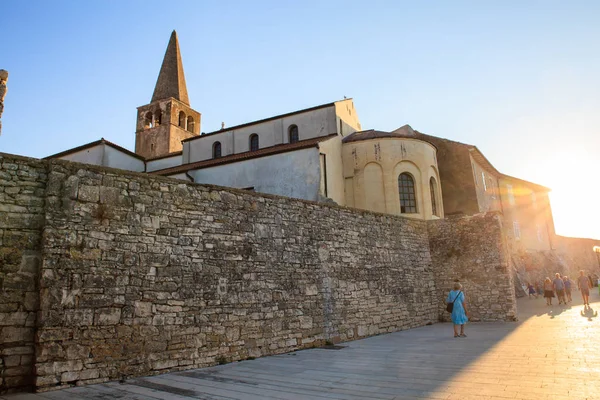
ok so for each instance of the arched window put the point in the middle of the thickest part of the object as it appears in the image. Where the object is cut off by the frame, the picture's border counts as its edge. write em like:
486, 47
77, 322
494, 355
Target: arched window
406, 189
157, 118
433, 190
293, 133
253, 142
190, 124
148, 120
181, 119
217, 150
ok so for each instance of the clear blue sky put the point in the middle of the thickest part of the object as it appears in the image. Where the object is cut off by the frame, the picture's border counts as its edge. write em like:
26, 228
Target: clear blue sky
518, 79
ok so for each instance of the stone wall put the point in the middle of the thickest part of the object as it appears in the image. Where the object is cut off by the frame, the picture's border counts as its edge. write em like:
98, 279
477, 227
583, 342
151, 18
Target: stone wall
459, 192
144, 275
578, 254
22, 192
472, 251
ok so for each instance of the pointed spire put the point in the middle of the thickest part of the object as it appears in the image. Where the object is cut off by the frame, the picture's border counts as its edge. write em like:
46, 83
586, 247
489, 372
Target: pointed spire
171, 81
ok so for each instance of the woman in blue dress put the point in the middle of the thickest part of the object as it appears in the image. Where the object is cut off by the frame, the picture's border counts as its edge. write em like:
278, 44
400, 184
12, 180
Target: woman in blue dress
459, 310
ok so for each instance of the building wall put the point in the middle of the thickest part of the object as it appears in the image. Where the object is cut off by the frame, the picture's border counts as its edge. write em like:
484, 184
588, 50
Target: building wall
332, 150
22, 192
107, 156
472, 251
486, 188
311, 124
456, 173
114, 158
93, 155
294, 174
577, 254
162, 163
374, 166
347, 120
527, 216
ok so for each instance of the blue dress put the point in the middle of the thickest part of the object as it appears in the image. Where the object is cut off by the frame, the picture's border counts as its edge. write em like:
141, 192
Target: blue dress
459, 317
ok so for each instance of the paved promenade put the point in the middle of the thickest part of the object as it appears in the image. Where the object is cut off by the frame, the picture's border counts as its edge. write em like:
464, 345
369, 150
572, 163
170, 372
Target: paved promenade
551, 353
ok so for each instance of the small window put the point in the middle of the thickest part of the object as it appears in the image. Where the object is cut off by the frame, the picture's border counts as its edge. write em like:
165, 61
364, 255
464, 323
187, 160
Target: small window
483, 180
217, 150
406, 189
511, 196
432, 189
253, 142
341, 128
293, 133
182, 119
517, 229
148, 120
190, 124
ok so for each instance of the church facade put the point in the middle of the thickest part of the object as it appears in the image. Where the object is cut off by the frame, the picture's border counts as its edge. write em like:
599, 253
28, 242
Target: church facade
322, 153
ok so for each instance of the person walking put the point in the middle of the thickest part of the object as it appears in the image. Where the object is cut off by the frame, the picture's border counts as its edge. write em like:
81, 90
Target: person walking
583, 284
459, 310
548, 291
568, 284
531, 290
559, 288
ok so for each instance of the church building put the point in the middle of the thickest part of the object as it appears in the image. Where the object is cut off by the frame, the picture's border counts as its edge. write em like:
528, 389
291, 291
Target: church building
323, 154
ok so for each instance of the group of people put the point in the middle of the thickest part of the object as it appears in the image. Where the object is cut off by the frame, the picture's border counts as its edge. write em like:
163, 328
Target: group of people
561, 287
558, 287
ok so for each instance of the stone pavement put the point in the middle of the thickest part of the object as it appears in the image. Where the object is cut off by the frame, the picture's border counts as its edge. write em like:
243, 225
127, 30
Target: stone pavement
551, 353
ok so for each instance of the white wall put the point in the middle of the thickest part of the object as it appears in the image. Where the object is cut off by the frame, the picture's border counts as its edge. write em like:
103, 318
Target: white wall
320, 122
93, 155
163, 163
117, 159
293, 174
332, 148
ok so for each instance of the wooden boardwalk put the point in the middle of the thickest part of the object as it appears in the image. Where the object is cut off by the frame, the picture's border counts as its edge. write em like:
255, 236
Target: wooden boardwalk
551, 353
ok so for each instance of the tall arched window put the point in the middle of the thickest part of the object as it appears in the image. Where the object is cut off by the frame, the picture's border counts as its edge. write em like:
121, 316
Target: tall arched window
181, 119
293, 133
406, 189
157, 118
433, 190
217, 150
148, 120
253, 142
190, 124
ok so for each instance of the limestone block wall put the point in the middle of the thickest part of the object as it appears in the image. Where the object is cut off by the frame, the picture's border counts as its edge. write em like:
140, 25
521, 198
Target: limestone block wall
144, 275
22, 192
472, 250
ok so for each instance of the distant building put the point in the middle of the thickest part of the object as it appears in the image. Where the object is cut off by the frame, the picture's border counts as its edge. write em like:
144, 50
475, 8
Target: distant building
323, 154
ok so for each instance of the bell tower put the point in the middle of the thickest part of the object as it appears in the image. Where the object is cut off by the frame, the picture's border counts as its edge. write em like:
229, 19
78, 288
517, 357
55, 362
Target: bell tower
168, 119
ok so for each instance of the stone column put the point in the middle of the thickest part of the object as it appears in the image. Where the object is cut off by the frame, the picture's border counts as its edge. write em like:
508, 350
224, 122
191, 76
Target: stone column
3, 79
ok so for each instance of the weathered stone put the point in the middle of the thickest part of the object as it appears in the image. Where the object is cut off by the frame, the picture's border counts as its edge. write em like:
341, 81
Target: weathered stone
107, 316
89, 193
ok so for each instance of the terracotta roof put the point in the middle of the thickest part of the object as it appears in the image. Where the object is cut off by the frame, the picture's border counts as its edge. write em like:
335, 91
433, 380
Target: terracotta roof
404, 131
92, 144
264, 120
267, 151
